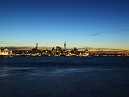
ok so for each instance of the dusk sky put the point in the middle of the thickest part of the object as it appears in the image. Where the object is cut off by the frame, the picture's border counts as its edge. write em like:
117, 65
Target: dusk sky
82, 23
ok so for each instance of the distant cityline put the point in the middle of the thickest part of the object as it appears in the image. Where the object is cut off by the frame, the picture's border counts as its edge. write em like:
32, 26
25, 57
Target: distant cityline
58, 51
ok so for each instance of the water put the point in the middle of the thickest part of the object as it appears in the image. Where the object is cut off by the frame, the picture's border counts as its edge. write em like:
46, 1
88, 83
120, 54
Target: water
64, 76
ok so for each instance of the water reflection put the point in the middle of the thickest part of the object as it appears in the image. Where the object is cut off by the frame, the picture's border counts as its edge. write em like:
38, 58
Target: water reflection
34, 79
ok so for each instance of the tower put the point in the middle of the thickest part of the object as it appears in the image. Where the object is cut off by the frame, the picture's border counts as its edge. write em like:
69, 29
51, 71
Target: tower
65, 45
36, 46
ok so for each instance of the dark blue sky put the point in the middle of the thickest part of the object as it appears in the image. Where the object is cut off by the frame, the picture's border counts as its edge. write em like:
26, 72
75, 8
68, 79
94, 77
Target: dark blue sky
93, 23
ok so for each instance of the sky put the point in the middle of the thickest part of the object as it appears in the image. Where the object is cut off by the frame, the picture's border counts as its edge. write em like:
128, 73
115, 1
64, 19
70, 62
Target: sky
81, 23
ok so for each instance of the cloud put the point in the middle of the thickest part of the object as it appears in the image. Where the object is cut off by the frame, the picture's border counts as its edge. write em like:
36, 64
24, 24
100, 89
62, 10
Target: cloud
115, 31
105, 49
19, 48
1, 42
9, 43
27, 48
98, 33
122, 30
95, 34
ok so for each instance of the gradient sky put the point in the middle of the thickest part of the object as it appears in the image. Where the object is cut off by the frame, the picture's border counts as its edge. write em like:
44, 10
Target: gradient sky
92, 23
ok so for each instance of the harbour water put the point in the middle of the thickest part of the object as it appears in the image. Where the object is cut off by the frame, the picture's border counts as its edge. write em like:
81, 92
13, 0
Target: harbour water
64, 76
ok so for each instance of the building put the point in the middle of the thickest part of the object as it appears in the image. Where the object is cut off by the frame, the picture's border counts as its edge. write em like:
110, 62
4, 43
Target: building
4, 51
65, 45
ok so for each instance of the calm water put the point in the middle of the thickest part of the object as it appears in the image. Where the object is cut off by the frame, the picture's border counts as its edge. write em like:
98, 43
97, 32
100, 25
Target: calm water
64, 76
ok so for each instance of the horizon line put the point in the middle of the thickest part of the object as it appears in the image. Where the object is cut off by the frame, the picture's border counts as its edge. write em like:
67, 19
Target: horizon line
50, 47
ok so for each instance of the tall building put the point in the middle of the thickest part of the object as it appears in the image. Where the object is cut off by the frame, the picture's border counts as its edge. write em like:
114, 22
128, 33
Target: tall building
65, 45
36, 46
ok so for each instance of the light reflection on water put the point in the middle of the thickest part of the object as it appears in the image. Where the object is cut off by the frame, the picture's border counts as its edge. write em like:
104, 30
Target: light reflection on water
50, 71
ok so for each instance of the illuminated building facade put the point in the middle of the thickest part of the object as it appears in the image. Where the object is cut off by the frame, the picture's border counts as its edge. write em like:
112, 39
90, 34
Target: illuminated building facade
4, 51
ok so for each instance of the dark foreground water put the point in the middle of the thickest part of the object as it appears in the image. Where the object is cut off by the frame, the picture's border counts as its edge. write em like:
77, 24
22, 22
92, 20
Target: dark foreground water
64, 76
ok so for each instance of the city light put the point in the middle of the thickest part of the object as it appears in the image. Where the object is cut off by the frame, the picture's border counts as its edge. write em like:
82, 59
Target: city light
59, 51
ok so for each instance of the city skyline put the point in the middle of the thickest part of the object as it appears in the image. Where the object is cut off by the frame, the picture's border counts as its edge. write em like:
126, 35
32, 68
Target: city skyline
82, 23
